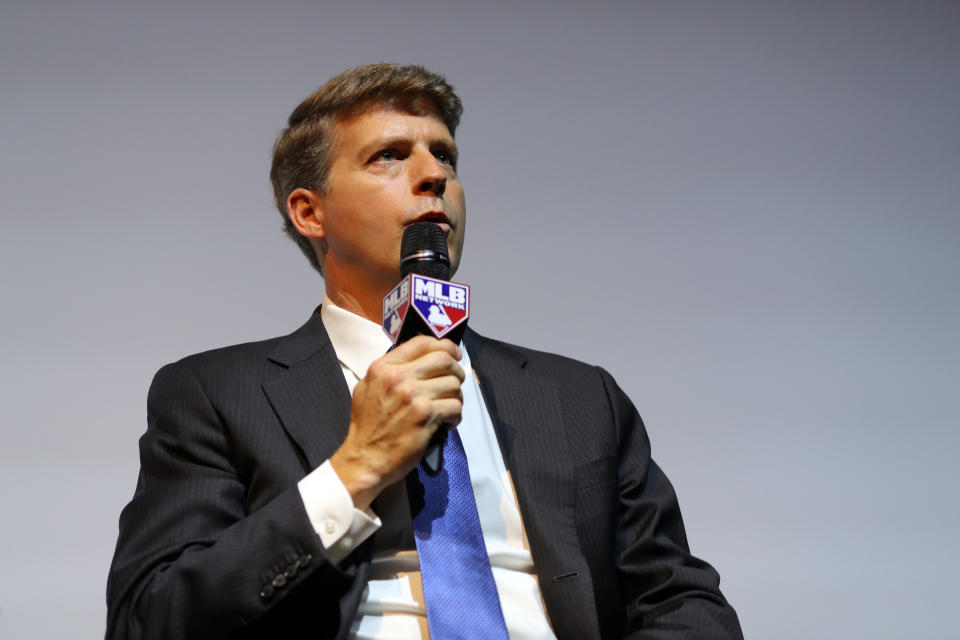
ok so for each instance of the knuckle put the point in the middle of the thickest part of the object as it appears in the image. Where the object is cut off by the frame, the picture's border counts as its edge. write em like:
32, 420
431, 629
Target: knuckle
406, 390
441, 360
396, 379
376, 368
421, 407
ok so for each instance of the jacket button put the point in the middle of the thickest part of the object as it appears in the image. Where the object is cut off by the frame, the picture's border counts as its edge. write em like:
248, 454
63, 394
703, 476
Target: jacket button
291, 571
280, 581
267, 592
304, 560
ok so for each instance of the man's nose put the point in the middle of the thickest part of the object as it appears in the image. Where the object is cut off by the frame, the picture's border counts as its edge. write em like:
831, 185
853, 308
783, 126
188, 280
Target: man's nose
431, 178
436, 186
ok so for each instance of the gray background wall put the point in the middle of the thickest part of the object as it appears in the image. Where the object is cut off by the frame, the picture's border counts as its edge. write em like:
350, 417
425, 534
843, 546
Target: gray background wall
747, 211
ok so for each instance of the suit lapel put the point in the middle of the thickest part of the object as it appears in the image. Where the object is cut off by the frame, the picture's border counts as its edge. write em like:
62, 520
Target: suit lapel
527, 414
310, 395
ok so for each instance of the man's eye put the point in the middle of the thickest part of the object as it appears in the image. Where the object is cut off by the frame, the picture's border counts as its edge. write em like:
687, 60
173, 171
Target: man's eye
386, 154
445, 158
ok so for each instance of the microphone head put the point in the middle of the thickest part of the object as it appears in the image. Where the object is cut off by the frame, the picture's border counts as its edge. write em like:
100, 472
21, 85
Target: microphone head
423, 251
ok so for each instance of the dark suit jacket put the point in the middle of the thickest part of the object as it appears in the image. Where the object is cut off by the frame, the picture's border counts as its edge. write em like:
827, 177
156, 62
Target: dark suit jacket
217, 516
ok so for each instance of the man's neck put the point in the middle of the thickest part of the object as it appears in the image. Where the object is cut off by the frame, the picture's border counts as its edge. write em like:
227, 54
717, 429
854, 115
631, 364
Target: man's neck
364, 307
356, 291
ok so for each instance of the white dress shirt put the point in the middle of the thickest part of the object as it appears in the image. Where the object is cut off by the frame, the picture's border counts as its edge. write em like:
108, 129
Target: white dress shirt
392, 604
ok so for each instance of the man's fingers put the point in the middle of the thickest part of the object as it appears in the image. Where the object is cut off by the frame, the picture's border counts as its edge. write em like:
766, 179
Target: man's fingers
433, 358
436, 364
442, 387
447, 412
436, 398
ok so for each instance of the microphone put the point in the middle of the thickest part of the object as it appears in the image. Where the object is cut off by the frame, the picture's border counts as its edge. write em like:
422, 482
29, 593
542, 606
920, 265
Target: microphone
425, 303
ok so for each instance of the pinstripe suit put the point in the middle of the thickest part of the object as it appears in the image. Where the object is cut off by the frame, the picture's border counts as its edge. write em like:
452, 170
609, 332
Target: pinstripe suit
216, 516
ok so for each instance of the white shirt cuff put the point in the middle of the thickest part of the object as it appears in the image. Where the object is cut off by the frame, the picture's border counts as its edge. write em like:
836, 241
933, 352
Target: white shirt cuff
341, 526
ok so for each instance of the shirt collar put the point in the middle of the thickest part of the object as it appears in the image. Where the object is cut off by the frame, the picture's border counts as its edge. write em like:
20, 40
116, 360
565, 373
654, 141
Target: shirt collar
356, 341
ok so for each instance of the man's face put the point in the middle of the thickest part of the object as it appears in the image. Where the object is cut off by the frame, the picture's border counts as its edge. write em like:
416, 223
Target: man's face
390, 169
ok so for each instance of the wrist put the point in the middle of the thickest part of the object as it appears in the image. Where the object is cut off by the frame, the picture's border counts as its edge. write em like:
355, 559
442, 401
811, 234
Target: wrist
362, 483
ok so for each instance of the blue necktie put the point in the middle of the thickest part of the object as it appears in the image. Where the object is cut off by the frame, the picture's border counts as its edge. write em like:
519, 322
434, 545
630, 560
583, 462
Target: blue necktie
458, 587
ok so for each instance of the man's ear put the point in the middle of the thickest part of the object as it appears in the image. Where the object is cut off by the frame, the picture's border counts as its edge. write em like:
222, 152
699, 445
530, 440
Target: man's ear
305, 210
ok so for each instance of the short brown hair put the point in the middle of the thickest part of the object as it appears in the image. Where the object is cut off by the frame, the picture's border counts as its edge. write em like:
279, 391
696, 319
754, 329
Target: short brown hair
304, 150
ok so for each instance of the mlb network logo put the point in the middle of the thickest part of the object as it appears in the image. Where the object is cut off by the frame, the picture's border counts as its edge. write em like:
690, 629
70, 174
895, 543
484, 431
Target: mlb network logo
443, 306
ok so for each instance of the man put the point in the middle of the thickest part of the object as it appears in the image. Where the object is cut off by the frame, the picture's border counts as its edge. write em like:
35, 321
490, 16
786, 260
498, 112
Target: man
271, 503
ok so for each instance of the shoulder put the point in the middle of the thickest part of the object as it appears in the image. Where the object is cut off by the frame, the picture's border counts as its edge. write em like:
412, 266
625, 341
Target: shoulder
230, 356
579, 383
248, 363
542, 362
597, 415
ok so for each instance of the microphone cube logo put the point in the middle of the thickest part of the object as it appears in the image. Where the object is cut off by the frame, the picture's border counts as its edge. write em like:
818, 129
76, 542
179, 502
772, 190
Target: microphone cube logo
395, 307
442, 305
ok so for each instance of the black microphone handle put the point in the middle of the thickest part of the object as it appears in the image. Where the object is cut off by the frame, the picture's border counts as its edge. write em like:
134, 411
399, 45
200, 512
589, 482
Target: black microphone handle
432, 460
424, 251
433, 457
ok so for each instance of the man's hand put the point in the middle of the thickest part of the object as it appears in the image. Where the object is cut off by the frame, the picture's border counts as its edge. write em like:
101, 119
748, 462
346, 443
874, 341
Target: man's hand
405, 397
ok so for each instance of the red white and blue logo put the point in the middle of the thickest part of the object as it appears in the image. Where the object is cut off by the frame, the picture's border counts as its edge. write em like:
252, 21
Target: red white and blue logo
442, 305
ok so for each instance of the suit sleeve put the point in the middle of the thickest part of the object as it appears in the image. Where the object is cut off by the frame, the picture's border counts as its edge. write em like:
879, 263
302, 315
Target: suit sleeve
668, 593
190, 561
